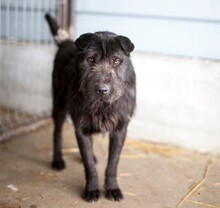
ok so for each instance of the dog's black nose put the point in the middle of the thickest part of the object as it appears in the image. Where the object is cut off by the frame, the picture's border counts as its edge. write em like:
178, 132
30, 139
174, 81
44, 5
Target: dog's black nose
102, 89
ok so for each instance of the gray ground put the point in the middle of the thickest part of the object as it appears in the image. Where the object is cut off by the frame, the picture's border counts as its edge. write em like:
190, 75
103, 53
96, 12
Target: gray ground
152, 176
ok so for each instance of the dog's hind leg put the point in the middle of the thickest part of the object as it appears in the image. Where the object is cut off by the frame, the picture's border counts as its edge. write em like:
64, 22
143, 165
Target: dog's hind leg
92, 192
117, 139
58, 119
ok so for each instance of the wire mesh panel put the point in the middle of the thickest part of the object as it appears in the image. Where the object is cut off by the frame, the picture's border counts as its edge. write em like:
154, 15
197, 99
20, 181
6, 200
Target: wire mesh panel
26, 51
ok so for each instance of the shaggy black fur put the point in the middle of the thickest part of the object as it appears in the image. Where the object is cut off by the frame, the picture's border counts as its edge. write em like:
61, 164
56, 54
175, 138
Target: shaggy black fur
93, 82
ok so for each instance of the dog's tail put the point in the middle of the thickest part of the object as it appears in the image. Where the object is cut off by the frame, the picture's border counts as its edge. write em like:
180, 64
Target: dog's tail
60, 35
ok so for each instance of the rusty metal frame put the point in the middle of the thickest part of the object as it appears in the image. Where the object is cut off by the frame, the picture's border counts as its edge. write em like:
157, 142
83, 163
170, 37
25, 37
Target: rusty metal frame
66, 10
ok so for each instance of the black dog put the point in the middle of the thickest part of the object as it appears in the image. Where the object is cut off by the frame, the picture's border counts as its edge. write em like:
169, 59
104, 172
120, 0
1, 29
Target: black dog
93, 82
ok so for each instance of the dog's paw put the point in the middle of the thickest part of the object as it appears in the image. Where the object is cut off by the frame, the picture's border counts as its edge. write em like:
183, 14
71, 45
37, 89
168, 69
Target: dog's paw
92, 196
58, 165
114, 194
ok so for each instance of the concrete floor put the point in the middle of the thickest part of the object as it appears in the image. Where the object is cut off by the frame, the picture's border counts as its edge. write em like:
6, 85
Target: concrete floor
152, 176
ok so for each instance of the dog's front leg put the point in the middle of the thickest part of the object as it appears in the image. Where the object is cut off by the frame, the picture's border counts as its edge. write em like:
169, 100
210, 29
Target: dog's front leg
92, 192
117, 139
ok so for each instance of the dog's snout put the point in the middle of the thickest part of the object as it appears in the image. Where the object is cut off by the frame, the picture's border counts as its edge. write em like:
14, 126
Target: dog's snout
102, 89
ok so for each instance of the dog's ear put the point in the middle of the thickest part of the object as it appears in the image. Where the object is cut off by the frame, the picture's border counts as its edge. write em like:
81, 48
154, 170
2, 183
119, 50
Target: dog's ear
84, 40
126, 44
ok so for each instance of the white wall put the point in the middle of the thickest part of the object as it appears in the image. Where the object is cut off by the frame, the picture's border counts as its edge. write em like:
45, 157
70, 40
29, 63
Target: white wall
25, 77
178, 101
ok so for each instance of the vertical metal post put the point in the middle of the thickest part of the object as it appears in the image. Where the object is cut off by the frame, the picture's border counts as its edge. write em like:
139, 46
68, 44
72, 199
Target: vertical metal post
62, 11
66, 15
71, 10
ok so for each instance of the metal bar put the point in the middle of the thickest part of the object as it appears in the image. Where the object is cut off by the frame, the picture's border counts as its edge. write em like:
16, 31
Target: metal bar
24, 20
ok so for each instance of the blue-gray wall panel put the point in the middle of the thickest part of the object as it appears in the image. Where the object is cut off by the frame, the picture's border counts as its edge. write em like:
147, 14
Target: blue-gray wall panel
190, 9
188, 38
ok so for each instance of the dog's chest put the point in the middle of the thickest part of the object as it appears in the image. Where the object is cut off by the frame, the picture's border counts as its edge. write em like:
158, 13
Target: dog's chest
100, 121
104, 122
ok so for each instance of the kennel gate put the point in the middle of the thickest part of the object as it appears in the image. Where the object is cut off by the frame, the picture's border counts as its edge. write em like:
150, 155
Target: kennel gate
27, 51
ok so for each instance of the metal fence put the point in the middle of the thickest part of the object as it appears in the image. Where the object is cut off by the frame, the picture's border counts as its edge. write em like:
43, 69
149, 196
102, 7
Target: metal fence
26, 52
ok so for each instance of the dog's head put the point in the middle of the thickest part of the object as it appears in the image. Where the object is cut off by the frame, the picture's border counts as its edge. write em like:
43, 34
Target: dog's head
105, 68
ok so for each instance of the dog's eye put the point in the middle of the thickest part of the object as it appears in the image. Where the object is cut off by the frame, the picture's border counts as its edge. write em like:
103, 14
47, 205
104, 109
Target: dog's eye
91, 59
117, 61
